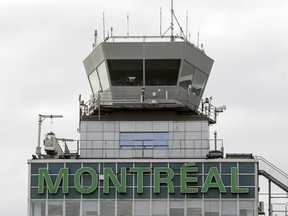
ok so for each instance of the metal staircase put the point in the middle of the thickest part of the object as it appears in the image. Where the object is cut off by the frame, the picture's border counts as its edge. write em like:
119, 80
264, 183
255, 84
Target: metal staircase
273, 173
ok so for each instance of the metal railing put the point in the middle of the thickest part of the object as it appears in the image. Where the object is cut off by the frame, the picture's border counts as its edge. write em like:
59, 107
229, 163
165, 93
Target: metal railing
150, 38
273, 173
144, 38
149, 149
69, 146
150, 97
189, 148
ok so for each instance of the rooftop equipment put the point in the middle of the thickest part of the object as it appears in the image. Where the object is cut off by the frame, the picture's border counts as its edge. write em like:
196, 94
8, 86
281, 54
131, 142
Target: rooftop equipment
41, 119
51, 146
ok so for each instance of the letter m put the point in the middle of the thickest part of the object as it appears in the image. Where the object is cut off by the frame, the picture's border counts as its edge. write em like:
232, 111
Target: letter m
44, 176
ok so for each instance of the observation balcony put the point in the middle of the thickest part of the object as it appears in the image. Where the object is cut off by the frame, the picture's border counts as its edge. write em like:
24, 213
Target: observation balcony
156, 97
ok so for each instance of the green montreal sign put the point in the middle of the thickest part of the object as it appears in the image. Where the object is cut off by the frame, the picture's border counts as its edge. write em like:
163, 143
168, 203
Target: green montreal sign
162, 176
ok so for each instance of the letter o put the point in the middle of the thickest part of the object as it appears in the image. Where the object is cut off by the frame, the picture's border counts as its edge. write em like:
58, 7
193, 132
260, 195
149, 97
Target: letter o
77, 180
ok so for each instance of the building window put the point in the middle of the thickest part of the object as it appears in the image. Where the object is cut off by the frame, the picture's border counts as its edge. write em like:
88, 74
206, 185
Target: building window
90, 208
143, 139
199, 82
38, 208
186, 76
161, 72
159, 208
103, 76
107, 207
229, 208
94, 82
211, 208
246, 208
142, 208
55, 207
177, 208
124, 208
72, 208
194, 207
126, 72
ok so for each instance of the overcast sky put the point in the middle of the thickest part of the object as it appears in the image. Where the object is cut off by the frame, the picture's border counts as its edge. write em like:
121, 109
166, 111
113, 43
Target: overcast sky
43, 44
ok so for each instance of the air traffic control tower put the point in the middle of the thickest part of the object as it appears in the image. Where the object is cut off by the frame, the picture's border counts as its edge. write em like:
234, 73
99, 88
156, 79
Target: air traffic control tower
144, 147
149, 96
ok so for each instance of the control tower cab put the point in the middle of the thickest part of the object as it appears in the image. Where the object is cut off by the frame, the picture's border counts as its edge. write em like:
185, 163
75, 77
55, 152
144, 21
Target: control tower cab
147, 75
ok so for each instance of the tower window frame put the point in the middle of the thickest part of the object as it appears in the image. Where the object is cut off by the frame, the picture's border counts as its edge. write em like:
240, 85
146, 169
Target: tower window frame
144, 139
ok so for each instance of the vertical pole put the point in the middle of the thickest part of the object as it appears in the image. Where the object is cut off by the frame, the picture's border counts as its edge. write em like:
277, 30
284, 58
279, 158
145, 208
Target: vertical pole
103, 27
269, 199
198, 38
128, 25
215, 140
95, 39
144, 69
186, 25
38, 149
99, 105
160, 21
80, 111
172, 24
78, 147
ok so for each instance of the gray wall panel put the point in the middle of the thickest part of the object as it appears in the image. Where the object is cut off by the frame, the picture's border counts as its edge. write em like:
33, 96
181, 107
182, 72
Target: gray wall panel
123, 50
198, 58
94, 59
164, 50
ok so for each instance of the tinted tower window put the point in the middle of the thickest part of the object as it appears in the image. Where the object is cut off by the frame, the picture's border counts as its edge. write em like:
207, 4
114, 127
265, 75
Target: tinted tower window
126, 72
161, 72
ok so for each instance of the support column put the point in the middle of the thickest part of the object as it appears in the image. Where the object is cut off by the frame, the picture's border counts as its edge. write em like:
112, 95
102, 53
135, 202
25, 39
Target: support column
269, 199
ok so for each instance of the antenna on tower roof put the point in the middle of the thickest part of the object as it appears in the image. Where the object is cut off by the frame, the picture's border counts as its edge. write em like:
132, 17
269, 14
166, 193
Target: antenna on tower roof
103, 27
160, 21
95, 39
186, 25
128, 24
172, 24
198, 38
172, 21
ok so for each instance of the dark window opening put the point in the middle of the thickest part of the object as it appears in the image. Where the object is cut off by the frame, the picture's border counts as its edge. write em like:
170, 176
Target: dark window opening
186, 75
126, 72
199, 82
161, 72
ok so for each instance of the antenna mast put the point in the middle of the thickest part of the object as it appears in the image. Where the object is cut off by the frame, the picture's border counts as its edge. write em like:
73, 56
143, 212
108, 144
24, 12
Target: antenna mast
160, 21
103, 26
128, 24
95, 39
198, 39
172, 24
186, 25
